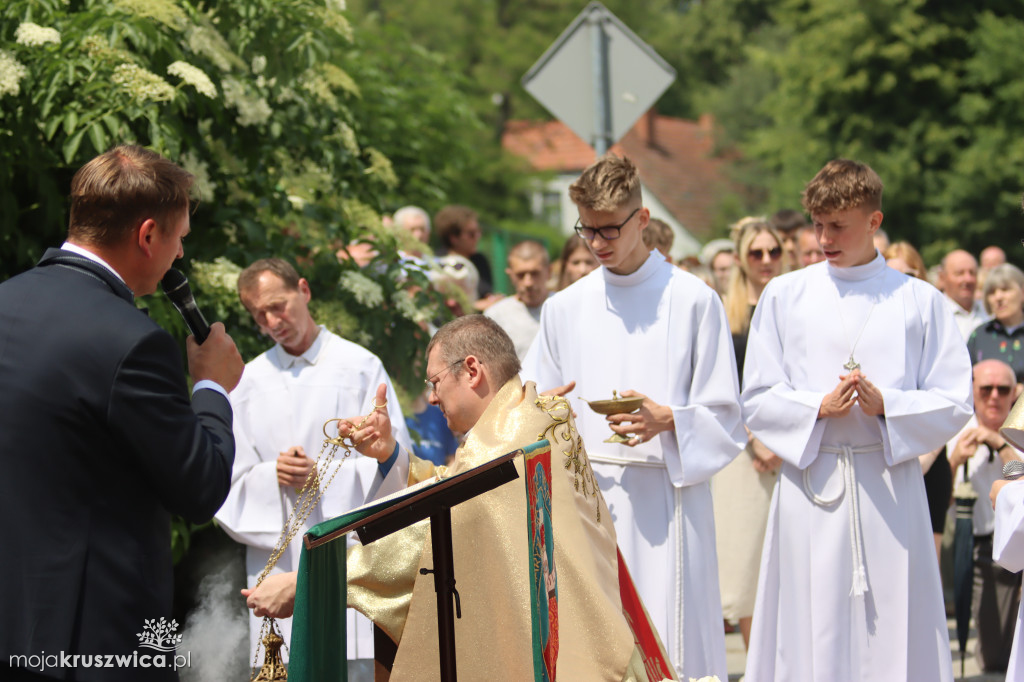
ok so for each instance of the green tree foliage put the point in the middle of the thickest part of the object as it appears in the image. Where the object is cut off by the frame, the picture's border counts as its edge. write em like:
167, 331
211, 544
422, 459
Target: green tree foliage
299, 130
924, 91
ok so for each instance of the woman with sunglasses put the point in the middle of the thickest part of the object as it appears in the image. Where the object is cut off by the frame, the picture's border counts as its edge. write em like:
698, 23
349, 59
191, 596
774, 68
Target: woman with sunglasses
1002, 337
742, 491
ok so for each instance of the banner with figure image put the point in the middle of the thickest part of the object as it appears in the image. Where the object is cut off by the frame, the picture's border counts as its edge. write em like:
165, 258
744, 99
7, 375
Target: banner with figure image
543, 576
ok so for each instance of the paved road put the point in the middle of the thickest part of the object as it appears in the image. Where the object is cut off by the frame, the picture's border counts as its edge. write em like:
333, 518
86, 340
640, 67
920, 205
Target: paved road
736, 658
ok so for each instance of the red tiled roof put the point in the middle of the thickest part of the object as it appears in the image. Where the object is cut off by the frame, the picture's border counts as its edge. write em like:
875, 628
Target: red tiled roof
675, 163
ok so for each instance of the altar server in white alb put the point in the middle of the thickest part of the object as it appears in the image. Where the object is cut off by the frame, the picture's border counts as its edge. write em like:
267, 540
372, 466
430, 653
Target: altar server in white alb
1008, 551
286, 394
640, 326
852, 371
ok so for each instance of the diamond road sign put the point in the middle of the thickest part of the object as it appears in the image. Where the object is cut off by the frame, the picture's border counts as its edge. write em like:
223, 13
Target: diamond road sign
598, 77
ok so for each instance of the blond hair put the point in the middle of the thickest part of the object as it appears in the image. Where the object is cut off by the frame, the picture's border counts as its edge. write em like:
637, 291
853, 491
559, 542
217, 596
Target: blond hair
737, 305
841, 185
607, 185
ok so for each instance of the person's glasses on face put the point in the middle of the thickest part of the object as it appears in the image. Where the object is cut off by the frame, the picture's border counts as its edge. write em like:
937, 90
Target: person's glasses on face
759, 254
607, 232
987, 390
433, 381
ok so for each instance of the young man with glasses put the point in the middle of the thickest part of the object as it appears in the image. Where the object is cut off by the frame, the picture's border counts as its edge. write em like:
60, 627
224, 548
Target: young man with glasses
978, 453
644, 328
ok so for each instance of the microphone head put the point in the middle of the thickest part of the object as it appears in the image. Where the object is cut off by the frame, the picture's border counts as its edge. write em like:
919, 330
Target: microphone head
175, 284
1013, 469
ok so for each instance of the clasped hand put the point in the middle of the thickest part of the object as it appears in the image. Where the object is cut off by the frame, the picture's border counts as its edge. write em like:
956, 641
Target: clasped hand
852, 388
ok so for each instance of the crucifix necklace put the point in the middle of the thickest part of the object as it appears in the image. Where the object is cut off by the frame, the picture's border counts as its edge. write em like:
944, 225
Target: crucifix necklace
852, 364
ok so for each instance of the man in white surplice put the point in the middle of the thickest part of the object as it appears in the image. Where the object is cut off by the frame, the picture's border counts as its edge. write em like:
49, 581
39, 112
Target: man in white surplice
849, 587
280, 406
640, 323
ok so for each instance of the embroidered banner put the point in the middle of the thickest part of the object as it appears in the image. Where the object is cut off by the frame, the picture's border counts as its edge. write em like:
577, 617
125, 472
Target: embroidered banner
655, 658
543, 576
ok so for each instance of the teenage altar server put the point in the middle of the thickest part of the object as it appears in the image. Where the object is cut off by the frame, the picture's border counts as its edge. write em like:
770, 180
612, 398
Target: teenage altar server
286, 394
640, 326
1008, 551
853, 370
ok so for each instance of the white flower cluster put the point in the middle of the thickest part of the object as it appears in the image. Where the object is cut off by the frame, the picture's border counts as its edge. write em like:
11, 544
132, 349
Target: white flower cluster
206, 41
34, 35
251, 110
365, 290
259, 62
348, 138
11, 73
204, 187
164, 11
221, 275
142, 84
406, 305
194, 77
336, 5
380, 167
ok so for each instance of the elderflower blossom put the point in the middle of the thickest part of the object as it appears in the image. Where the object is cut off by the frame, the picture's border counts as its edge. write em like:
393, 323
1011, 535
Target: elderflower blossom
34, 35
336, 5
251, 110
220, 275
406, 305
348, 138
203, 185
380, 167
194, 77
11, 73
365, 290
142, 84
259, 62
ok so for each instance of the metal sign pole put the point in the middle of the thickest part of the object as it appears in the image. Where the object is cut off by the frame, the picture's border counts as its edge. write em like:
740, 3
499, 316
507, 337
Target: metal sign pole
602, 101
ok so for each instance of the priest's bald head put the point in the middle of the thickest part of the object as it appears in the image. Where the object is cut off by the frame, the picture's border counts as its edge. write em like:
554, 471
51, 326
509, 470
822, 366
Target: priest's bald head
468, 361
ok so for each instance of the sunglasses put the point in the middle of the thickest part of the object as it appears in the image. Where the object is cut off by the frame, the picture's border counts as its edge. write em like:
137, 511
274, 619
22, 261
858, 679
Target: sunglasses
759, 254
1003, 390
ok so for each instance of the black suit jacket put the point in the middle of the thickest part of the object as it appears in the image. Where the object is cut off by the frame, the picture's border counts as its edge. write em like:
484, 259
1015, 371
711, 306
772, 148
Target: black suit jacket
99, 444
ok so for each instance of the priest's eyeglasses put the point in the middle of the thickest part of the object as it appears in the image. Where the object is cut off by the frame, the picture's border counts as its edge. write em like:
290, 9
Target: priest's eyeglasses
987, 390
608, 232
433, 381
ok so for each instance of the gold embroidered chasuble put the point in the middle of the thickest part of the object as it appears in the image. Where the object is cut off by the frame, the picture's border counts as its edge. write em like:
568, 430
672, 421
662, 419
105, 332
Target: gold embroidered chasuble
493, 637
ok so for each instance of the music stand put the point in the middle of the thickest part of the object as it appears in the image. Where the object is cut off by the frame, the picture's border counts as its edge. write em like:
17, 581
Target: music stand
435, 502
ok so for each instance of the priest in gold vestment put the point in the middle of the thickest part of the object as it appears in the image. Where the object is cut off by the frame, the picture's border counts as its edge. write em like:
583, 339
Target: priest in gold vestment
473, 372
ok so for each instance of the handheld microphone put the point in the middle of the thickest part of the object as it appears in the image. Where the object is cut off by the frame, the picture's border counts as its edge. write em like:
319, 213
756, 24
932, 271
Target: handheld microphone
1013, 470
175, 286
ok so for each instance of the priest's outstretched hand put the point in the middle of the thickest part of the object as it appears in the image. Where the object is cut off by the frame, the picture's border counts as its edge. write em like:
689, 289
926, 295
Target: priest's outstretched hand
374, 438
644, 424
275, 596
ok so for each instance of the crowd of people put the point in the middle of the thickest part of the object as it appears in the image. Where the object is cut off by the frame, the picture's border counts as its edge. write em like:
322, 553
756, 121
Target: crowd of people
808, 397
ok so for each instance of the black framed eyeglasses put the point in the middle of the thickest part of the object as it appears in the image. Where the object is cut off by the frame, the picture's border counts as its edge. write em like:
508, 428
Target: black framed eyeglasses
607, 232
430, 382
1003, 390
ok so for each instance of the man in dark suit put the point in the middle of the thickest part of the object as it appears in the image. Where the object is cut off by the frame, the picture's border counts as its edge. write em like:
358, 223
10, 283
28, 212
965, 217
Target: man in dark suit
99, 442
